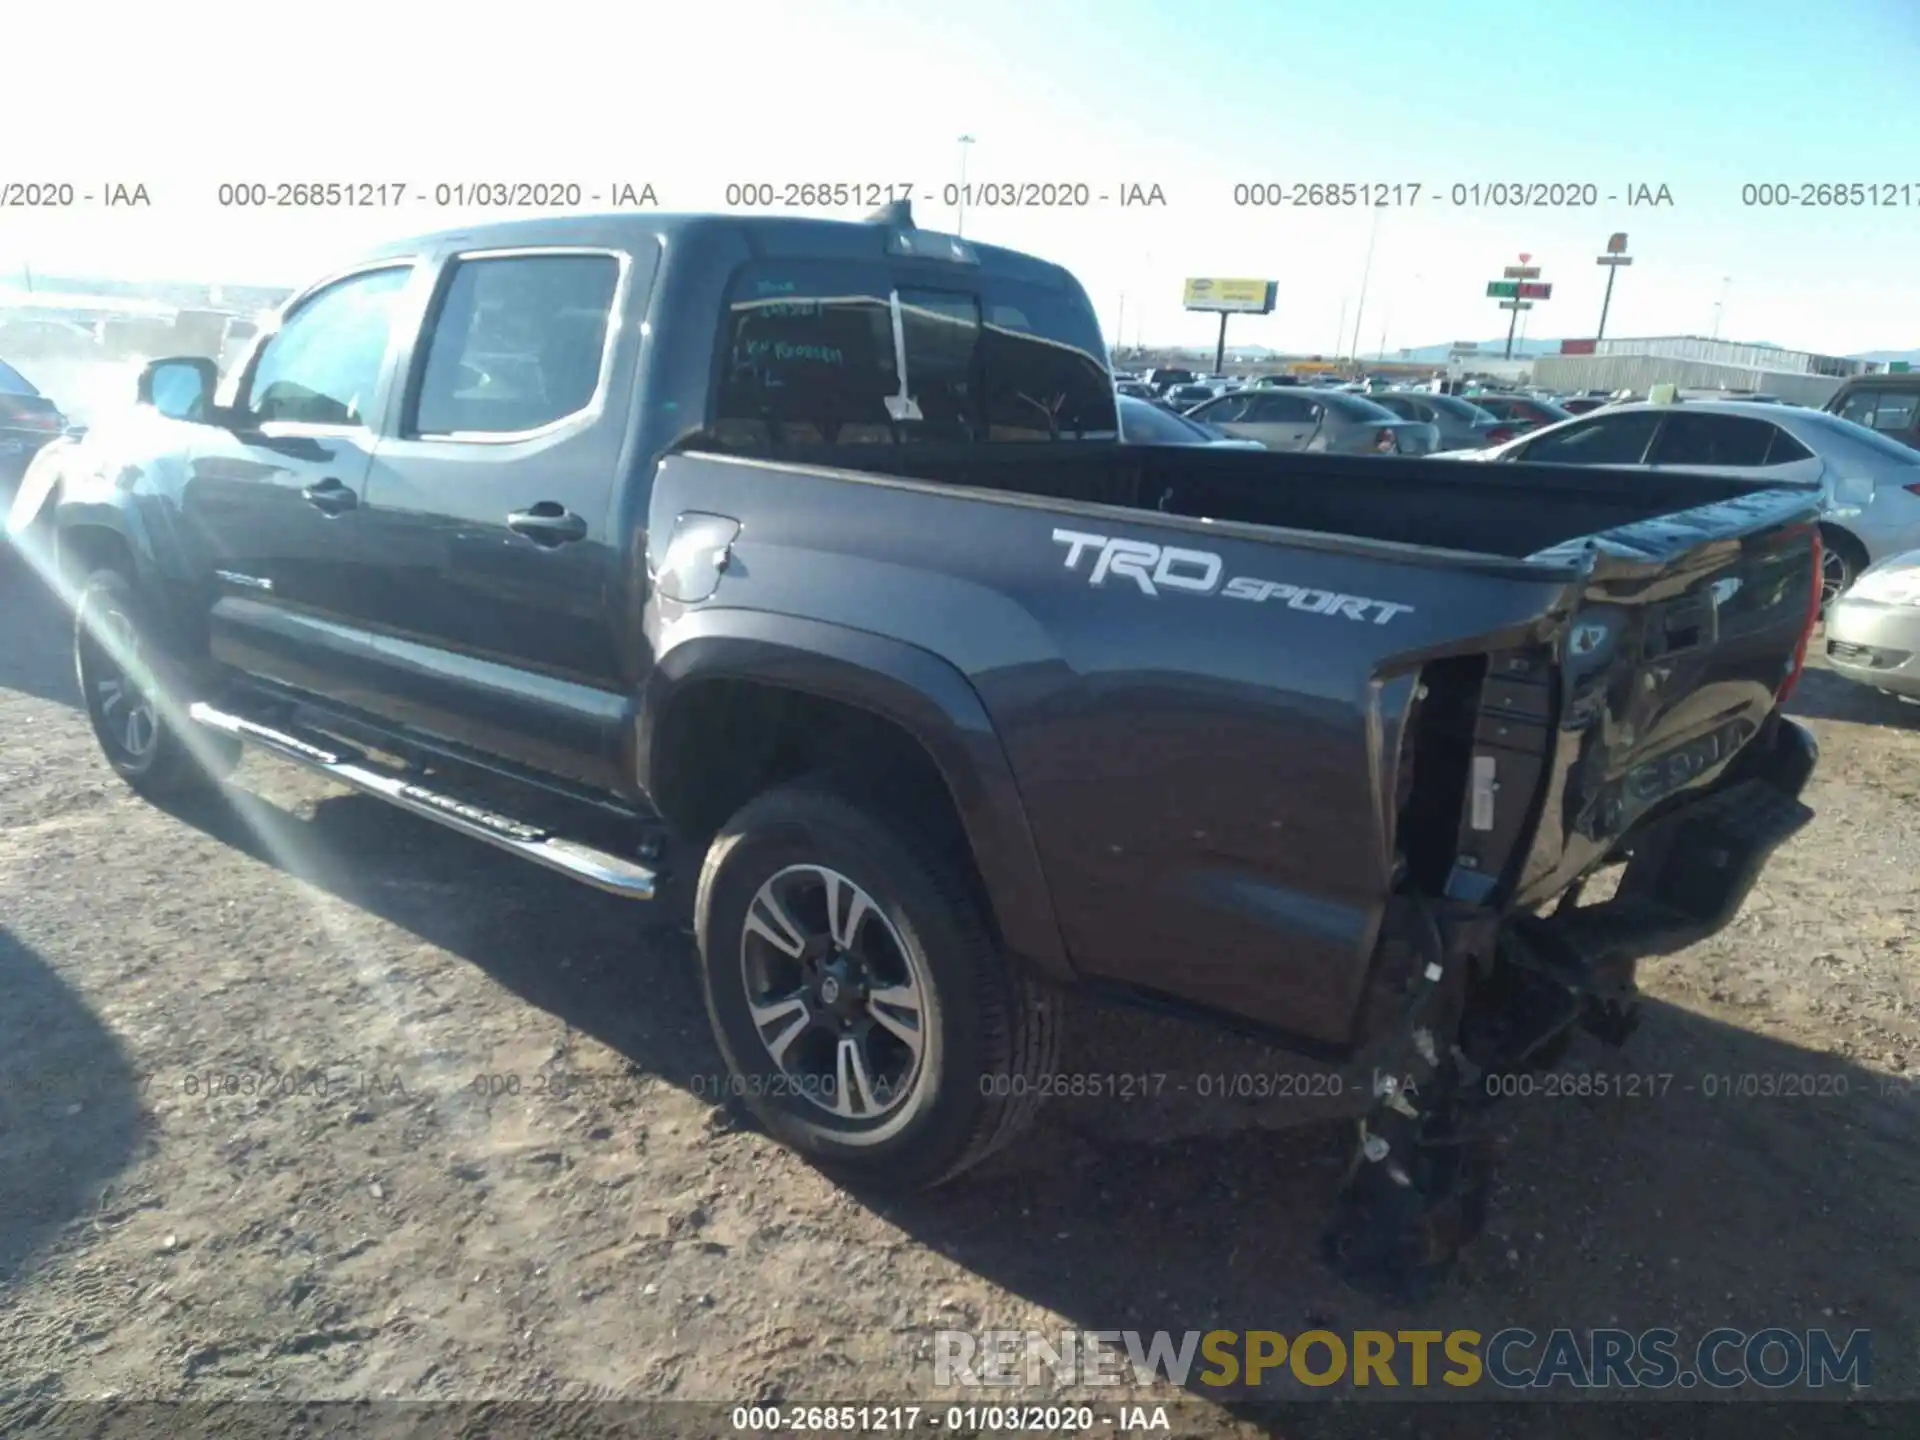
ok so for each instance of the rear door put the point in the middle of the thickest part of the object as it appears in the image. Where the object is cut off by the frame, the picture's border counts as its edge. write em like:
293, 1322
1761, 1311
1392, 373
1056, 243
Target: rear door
273, 500
488, 616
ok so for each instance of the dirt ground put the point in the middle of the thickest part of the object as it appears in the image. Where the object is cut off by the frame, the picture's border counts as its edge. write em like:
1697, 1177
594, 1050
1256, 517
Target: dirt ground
514, 1180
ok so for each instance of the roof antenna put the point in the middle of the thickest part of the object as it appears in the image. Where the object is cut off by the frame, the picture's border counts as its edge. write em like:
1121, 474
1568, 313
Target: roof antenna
899, 215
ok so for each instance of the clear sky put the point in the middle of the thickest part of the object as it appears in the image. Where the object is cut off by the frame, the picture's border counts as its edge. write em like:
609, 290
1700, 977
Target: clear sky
1699, 96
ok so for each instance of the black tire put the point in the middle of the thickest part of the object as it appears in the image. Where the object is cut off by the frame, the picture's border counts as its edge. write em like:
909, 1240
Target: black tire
1842, 560
989, 1031
115, 632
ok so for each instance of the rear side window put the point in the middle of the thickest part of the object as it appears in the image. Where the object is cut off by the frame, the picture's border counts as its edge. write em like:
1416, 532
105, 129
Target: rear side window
812, 357
1702, 439
1611, 440
12, 382
517, 343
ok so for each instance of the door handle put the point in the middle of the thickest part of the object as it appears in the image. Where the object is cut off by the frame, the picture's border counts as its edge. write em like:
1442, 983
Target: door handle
330, 497
548, 523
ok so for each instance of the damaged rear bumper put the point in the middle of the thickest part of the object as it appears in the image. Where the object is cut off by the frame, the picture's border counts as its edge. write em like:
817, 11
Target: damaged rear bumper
1688, 872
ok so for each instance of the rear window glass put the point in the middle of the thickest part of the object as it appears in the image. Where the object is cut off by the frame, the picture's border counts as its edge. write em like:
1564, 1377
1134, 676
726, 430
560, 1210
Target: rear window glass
1883, 445
12, 382
812, 358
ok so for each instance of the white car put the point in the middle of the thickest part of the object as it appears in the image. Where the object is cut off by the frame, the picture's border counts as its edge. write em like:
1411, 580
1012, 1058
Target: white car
1870, 484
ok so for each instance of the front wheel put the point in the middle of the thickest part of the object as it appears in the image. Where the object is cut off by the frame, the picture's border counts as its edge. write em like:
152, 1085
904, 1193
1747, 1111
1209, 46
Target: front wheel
130, 687
867, 1015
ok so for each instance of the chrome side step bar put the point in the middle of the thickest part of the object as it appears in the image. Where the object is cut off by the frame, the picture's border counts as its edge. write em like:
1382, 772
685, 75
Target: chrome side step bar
598, 868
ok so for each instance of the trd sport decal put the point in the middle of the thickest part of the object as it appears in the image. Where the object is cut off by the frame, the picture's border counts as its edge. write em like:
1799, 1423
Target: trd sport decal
1197, 572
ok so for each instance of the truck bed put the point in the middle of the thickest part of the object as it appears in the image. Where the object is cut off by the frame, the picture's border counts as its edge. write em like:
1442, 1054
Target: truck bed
1512, 511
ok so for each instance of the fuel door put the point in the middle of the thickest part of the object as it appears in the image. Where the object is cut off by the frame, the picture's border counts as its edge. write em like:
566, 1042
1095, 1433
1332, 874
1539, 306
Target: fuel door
698, 553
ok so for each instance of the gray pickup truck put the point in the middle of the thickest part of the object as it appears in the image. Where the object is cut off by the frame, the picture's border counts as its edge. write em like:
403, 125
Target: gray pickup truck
810, 547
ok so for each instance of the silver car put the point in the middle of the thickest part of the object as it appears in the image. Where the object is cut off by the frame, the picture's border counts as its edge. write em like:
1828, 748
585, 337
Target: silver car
1873, 629
1870, 484
1317, 420
1144, 423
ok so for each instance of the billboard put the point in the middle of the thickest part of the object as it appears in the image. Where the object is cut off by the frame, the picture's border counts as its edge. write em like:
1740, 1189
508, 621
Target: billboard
1577, 347
1239, 297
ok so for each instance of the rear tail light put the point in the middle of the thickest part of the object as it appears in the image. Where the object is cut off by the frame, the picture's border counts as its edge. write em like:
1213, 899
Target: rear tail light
1913, 489
1385, 443
1806, 630
1500, 434
28, 414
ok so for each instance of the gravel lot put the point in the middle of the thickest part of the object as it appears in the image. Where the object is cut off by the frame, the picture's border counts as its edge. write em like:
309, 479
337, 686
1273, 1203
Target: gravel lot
404, 1230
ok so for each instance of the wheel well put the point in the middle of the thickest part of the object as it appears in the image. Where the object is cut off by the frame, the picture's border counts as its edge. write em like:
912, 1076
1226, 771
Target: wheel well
87, 548
725, 741
1844, 541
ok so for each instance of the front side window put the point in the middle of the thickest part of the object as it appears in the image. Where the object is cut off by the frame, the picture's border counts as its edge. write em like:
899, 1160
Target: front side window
517, 343
323, 365
1613, 440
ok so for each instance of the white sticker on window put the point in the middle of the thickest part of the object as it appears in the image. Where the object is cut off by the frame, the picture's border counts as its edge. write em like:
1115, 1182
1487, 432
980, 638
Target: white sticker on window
1483, 787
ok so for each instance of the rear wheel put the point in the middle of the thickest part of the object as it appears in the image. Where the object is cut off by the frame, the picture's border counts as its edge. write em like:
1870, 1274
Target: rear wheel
1841, 561
131, 686
867, 1015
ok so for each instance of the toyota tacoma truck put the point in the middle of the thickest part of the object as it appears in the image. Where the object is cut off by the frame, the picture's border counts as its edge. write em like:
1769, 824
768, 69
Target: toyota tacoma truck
810, 546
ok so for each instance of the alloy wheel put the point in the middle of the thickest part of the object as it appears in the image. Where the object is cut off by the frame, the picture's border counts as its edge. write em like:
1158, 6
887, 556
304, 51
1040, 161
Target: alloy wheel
837, 998
122, 703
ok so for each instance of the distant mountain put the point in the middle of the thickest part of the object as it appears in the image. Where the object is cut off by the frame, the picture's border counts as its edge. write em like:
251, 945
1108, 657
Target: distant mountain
1912, 357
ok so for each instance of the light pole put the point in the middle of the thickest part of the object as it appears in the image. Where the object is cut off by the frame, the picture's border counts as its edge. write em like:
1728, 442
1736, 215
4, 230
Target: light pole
1340, 333
1720, 304
960, 221
1373, 234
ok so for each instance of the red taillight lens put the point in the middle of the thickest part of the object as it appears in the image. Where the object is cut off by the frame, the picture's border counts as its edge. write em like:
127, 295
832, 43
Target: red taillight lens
1385, 443
1806, 630
1913, 489
1500, 435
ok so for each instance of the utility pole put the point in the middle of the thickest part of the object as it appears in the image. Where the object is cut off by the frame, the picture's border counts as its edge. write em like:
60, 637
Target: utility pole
960, 220
1615, 257
1373, 234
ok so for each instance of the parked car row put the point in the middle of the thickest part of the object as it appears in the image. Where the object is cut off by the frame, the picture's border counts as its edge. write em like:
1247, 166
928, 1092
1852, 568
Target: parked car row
1870, 483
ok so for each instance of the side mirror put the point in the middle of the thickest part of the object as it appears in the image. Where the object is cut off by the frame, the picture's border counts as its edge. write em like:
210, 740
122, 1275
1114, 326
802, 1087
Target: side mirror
181, 387
1849, 495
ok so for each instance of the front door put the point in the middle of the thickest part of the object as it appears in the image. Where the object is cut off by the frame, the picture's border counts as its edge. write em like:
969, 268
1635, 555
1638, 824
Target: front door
490, 533
272, 497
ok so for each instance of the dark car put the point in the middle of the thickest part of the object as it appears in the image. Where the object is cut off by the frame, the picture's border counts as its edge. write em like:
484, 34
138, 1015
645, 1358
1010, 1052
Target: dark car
813, 570
1580, 404
1522, 412
1164, 378
1184, 397
1133, 389
1887, 403
1462, 424
28, 420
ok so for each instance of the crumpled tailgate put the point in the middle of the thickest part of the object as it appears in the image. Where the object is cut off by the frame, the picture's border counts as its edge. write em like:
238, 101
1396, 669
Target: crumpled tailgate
1689, 632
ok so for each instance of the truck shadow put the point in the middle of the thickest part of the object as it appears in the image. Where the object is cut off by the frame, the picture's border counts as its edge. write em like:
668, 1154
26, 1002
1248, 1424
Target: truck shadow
1189, 1193
37, 658
70, 1110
